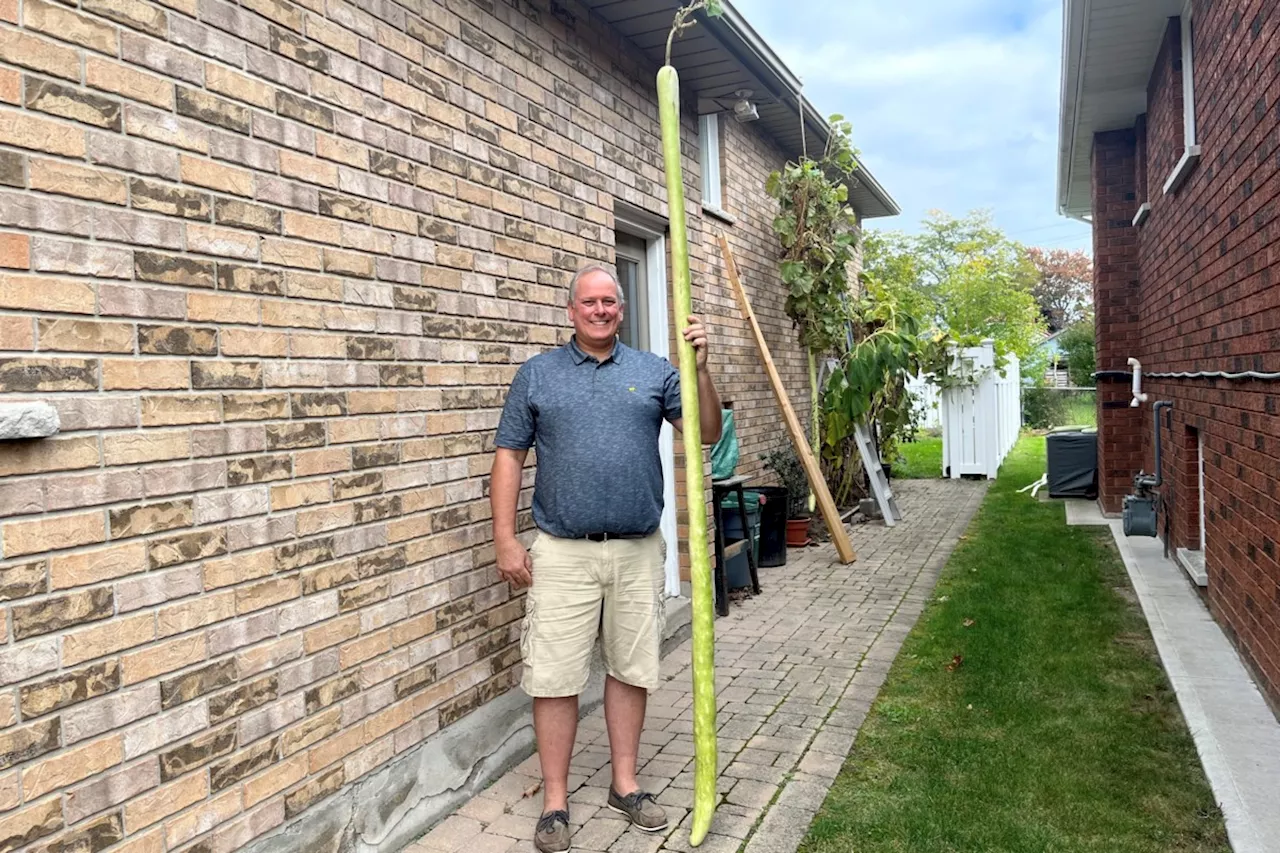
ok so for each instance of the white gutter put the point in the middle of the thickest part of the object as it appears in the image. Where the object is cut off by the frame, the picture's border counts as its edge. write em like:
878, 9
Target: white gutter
733, 19
1074, 15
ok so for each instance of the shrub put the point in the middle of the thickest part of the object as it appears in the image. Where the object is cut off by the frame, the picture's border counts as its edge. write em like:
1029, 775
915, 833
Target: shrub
1043, 407
1077, 344
785, 463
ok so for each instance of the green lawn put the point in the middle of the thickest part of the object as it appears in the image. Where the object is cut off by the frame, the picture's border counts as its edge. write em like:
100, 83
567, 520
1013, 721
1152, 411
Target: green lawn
920, 459
1082, 410
1054, 728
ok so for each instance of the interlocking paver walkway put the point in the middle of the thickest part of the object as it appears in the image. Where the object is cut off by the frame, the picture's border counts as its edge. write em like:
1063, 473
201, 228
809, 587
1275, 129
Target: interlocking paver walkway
797, 669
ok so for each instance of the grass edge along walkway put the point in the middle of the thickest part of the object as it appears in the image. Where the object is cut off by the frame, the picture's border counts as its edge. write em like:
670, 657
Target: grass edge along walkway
1027, 710
920, 459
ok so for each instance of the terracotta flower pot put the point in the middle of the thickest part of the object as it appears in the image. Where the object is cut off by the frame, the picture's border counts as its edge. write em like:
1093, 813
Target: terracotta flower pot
797, 532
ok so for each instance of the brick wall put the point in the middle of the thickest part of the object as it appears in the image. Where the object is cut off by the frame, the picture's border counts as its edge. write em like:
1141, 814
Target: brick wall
274, 264
1209, 301
748, 160
1116, 307
1163, 122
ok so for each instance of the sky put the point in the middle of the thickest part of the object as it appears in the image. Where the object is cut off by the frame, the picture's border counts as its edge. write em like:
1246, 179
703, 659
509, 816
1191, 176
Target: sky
954, 103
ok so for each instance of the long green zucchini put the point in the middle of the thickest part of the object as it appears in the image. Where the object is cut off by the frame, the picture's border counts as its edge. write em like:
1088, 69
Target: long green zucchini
704, 677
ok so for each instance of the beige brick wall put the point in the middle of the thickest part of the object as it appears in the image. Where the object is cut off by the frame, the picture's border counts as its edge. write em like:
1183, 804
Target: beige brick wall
274, 264
748, 159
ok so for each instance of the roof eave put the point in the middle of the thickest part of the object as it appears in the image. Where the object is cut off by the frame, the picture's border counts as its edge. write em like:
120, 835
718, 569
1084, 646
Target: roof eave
1074, 14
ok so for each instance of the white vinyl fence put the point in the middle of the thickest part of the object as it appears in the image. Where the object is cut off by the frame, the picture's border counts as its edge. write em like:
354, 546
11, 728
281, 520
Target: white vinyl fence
980, 418
926, 402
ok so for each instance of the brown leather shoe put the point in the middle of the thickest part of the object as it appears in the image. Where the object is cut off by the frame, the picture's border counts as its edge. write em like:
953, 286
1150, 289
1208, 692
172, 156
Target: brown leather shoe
641, 808
552, 835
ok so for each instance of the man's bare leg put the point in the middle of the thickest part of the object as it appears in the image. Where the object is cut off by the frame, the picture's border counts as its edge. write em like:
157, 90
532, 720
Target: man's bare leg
624, 706
555, 725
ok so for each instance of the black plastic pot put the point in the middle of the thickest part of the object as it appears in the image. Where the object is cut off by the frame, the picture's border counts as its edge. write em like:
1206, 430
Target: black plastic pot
773, 526
738, 569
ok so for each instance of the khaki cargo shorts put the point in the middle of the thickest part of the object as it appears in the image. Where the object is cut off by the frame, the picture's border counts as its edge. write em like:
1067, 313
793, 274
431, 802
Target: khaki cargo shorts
573, 579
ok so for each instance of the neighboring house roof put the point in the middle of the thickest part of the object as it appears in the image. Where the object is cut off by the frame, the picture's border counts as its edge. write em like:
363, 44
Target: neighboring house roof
1050, 342
723, 55
1109, 48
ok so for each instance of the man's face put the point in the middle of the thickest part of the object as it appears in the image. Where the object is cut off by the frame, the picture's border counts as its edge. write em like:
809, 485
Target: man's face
596, 312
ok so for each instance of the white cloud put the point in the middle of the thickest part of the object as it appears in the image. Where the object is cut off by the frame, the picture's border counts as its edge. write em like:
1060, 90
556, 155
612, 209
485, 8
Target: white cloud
954, 103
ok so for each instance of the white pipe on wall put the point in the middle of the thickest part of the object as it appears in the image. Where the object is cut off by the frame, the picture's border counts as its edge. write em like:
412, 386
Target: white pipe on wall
1138, 397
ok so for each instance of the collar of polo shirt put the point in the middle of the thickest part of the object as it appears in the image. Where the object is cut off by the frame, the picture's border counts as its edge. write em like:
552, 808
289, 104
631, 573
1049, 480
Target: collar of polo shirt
575, 351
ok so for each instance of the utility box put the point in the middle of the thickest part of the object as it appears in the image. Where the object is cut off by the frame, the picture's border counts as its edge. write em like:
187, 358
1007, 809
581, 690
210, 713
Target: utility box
1072, 464
1139, 516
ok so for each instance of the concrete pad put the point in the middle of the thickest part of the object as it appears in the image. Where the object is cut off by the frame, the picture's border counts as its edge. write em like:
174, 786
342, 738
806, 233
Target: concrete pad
1081, 513
1236, 734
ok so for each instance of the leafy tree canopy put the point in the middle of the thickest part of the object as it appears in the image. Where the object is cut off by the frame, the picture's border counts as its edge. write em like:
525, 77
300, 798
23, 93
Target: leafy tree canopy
1064, 285
963, 276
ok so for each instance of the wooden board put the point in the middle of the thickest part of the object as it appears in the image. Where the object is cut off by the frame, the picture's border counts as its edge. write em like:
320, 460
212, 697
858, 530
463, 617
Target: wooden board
816, 482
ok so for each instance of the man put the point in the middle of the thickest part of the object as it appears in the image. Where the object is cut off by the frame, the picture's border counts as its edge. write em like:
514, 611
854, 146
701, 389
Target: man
594, 408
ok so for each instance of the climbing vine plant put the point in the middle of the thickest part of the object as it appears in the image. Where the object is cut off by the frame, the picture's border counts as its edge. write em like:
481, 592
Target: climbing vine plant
818, 232
871, 343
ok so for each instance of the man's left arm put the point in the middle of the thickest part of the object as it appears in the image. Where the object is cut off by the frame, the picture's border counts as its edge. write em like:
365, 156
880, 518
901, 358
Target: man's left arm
709, 408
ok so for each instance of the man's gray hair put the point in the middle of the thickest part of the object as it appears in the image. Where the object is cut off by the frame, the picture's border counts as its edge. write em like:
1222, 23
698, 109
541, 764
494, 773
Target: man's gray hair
588, 270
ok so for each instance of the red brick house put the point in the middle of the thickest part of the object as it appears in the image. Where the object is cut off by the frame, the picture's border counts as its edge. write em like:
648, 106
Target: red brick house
1170, 147
274, 264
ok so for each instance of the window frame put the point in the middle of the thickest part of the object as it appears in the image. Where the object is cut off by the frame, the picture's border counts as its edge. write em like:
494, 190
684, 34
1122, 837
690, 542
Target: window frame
709, 156
635, 311
1190, 145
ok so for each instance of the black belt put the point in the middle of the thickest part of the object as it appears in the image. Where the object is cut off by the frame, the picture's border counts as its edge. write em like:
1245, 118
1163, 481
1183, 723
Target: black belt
605, 537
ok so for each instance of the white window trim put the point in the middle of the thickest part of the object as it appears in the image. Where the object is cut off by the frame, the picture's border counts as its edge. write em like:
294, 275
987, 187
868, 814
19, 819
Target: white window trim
653, 229
1191, 149
1188, 79
1200, 473
1143, 212
712, 169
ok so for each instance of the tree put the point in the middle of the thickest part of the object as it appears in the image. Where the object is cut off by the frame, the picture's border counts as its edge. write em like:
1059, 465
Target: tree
1077, 344
1064, 286
946, 243
982, 299
962, 276
889, 258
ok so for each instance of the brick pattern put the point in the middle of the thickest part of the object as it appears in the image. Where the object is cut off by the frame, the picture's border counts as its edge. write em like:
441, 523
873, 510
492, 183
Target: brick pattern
1165, 137
274, 264
1208, 301
755, 251
1116, 300
797, 668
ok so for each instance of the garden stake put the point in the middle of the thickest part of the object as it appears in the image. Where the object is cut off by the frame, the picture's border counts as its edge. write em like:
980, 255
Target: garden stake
704, 680
831, 515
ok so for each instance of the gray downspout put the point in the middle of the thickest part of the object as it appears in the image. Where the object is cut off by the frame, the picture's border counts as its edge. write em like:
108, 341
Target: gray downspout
1165, 505
1155, 411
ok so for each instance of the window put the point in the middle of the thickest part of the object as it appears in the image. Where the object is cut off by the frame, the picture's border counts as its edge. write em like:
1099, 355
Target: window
1191, 149
709, 150
1192, 513
1200, 478
633, 276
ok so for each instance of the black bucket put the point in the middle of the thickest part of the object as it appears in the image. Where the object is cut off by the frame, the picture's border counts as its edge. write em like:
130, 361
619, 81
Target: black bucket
773, 526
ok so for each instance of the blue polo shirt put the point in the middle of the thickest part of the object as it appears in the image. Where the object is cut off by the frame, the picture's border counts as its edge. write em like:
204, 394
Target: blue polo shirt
596, 426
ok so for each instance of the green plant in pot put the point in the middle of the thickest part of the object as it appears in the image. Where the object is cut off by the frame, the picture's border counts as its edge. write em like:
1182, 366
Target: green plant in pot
785, 464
